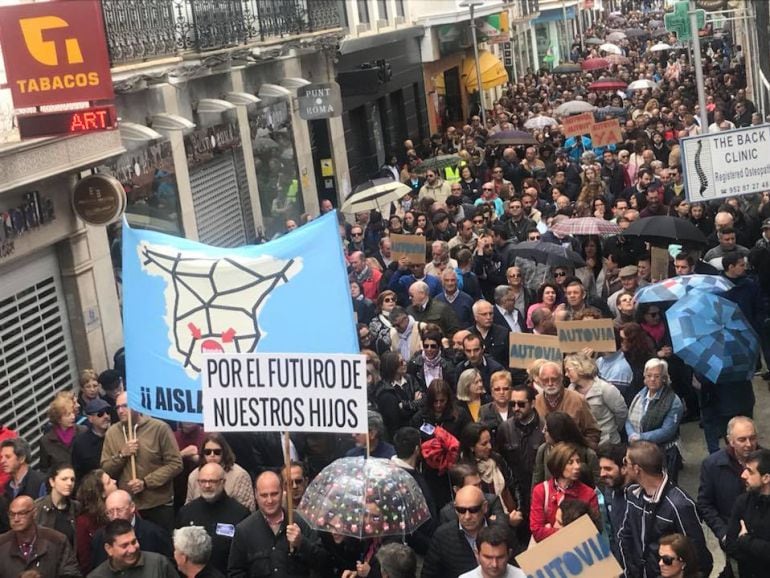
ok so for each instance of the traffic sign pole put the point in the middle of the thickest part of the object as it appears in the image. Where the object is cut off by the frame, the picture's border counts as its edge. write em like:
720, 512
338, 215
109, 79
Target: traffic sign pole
696, 61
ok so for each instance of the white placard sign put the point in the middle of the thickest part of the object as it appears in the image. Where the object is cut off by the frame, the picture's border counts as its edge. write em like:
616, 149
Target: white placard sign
726, 163
284, 392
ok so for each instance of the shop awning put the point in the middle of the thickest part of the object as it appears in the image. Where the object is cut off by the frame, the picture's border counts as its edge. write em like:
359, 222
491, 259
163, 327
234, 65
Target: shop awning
493, 72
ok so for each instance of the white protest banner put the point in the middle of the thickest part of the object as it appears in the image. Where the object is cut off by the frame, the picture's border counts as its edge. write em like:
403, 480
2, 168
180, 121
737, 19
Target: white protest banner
577, 124
578, 550
410, 246
726, 163
525, 348
244, 392
597, 334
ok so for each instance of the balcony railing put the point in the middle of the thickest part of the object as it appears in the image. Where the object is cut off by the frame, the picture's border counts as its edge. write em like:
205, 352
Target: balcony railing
140, 30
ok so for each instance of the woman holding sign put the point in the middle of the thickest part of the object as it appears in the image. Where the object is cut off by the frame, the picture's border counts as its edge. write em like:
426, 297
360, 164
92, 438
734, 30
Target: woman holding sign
564, 466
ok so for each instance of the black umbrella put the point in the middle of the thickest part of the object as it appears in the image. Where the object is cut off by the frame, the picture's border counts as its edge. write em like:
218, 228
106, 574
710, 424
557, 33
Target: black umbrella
437, 163
635, 33
549, 254
665, 230
511, 137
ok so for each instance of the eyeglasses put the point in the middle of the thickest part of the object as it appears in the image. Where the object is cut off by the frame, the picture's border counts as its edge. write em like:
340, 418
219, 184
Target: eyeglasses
212, 451
478, 221
501, 389
389, 300
121, 406
514, 276
295, 483
469, 510
520, 403
100, 413
430, 345
356, 234
668, 560
487, 189
21, 514
560, 274
535, 238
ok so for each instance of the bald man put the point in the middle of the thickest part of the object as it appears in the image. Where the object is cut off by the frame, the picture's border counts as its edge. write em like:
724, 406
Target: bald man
31, 547
263, 541
119, 505
453, 549
217, 512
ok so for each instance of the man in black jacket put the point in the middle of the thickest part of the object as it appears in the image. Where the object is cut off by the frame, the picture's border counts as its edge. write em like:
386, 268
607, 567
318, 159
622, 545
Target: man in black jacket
748, 535
217, 512
453, 550
15, 456
494, 337
265, 544
655, 508
614, 481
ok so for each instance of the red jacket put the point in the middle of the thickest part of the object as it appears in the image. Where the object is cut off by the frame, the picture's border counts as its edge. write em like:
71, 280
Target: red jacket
372, 285
543, 511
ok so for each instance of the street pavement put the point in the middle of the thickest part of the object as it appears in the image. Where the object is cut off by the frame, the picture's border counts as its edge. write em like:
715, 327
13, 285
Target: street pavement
694, 450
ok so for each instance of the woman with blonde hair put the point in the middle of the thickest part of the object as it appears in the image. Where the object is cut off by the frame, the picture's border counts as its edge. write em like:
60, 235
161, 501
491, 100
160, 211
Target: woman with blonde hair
89, 388
470, 393
56, 443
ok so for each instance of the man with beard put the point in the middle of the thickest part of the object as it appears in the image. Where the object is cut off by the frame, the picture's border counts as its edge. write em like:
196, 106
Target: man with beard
126, 557
517, 440
217, 512
748, 535
612, 473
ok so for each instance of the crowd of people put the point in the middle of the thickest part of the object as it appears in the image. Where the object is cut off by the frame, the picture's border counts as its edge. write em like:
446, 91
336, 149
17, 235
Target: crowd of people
118, 493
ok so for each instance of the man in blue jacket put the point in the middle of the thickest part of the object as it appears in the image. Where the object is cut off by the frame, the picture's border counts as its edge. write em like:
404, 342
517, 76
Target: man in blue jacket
655, 508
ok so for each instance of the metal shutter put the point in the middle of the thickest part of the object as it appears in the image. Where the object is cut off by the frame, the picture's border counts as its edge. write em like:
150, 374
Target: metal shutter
217, 202
36, 353
243, 186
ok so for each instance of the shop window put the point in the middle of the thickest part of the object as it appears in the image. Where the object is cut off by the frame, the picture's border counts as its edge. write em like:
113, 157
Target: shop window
363, 11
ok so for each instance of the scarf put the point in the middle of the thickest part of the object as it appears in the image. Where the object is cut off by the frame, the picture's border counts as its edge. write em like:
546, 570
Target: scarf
491, 475
657, 408
65, 435
403, 340
655, 331
364, 275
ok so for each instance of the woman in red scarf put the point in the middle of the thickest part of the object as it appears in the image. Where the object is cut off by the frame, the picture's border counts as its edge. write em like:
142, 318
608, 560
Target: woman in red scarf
56, 443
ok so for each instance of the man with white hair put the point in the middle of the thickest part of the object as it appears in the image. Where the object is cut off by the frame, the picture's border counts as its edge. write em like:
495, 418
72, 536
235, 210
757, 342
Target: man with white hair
427, 310
215, 512
192, 551
441, 260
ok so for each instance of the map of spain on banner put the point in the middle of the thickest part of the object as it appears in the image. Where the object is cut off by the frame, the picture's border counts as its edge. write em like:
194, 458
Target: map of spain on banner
183, 299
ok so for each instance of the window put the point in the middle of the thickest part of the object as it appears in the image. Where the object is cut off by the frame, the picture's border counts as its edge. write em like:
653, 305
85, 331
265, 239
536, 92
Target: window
363, 11
400, 9
382, 9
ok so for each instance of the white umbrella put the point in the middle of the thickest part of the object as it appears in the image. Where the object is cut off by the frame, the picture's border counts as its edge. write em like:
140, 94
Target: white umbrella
574, 107
537, 122
610, 48
660, 47
374, 194
641, 84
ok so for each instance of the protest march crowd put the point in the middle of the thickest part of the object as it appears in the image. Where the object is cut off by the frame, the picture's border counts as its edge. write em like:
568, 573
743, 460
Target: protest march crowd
525, 228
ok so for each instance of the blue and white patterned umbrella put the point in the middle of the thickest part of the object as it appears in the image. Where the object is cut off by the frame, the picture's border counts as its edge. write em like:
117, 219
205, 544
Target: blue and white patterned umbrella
712, 335
678, 287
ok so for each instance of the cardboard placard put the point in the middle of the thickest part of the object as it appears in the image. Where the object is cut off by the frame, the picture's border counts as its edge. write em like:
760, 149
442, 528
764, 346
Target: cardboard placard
578, 550
659, 264
606, 133
577, 124
525, 348
598, 334
410, 246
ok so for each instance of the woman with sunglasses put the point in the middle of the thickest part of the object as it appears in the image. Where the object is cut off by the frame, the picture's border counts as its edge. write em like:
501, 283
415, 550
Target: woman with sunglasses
215, 449
564, 466
430, 363
676, 557
398, 394
380, 325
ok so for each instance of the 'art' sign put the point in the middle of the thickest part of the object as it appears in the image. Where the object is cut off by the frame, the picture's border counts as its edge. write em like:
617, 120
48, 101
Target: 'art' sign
284, 392
55, 52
